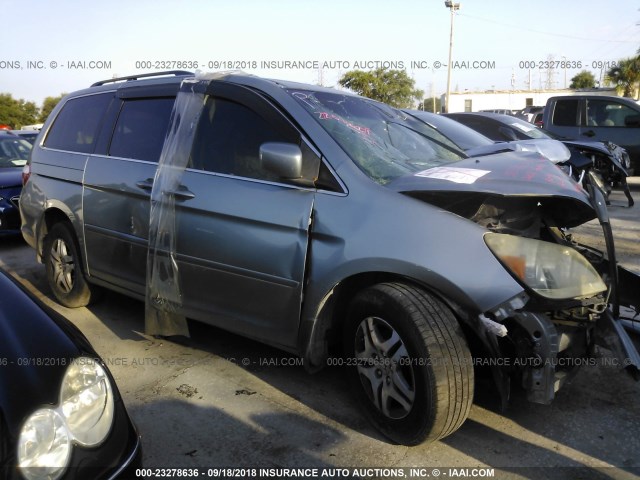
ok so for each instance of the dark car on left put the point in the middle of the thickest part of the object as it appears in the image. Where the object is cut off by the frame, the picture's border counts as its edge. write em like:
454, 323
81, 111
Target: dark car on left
61, 414
14, 153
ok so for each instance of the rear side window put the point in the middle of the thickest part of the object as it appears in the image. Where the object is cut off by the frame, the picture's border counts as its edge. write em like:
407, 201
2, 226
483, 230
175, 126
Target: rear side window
566, 113
141, 129
483, 125
76, 127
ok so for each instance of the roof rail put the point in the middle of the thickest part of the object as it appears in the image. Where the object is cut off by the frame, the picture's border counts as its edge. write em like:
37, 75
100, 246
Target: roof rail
177, 73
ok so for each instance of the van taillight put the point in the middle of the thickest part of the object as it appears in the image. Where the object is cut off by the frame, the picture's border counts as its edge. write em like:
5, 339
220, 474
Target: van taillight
26, 173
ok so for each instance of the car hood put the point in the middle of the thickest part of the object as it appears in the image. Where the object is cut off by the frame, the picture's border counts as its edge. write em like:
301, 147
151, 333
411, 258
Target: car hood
10, 177
553, 150
603, 147
525, 179
36, 346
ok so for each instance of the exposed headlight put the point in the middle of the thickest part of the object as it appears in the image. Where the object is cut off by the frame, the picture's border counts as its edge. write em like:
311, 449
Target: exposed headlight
625, 159
84, 416
551, 270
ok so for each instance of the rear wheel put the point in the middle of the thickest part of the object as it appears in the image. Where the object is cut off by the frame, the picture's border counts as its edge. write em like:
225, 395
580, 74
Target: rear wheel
63, 265
409, 363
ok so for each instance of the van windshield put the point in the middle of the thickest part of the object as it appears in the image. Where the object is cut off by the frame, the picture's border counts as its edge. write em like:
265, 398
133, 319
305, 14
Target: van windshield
385, 143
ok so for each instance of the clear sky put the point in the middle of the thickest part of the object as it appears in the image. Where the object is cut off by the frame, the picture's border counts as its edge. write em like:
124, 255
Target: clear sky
48, 46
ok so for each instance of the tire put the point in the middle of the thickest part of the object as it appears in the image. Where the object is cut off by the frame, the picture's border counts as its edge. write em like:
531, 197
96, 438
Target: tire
408, 363
64, 267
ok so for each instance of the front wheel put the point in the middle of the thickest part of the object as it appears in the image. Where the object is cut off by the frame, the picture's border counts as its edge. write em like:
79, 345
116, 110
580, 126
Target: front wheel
64, 271
408, 362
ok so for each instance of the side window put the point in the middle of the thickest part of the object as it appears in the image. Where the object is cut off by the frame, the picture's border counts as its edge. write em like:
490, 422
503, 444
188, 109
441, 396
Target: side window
486, 128
565, 113
605, 113
76, 126
141, 128
229, 136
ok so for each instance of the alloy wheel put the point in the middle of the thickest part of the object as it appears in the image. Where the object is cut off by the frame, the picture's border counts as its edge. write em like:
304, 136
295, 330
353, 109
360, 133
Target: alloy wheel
63, 265
384, 367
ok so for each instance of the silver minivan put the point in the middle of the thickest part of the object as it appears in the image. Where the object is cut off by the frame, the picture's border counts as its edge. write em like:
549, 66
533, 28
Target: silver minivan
320, 221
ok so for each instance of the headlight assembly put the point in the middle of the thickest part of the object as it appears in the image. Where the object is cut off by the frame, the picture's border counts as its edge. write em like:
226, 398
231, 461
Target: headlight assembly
84, 416
44, 446
553, 271
87, 402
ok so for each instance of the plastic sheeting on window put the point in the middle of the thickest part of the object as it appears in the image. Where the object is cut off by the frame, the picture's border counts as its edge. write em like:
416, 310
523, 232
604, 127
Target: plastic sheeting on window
163, 294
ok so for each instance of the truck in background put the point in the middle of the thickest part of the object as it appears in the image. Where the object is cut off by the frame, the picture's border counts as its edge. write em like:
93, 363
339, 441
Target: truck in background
601, 118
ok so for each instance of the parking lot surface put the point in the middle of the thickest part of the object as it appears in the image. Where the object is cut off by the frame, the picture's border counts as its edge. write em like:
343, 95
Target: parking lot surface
219, 400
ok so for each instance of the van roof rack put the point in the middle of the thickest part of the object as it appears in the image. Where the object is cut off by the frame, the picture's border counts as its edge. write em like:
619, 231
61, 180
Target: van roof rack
177, 73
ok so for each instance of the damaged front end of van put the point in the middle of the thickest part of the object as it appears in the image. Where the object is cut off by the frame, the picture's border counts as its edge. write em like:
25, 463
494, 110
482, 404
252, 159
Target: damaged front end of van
575, 298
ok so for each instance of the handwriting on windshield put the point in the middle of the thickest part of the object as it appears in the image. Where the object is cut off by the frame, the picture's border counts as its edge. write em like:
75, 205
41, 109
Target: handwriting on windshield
357, 128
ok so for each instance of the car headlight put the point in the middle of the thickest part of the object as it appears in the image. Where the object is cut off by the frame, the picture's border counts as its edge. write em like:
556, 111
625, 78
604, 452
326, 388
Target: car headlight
551, 270
87, 402
83, 416
44, 446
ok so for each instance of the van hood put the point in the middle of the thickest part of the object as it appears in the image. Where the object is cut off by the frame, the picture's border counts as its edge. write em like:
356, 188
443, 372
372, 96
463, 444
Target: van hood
514, 181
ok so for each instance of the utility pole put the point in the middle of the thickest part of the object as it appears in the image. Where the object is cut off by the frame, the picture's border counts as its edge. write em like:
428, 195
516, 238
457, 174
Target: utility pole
453, 7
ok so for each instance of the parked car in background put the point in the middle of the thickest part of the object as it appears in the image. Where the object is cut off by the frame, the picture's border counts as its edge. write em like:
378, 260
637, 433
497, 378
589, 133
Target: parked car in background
529, 113
504, 111
598, 118
537, 119
318, 221
610, 161
475, 144
61, 414
14, 152
28, 135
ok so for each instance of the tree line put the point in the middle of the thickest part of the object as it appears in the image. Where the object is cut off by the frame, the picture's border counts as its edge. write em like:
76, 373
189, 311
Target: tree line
17, 112
624, 75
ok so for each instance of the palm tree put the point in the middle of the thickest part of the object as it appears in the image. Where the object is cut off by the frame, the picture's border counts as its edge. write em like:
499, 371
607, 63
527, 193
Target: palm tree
626, 75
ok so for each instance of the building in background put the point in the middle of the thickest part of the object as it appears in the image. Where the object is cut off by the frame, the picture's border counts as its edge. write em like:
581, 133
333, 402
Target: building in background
511, 100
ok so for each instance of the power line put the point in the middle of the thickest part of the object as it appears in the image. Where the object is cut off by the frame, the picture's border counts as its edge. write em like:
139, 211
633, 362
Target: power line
520, 27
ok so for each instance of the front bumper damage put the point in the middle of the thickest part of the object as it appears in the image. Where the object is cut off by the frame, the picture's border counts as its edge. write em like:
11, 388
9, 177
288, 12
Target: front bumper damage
540, 342
624, 287
548, 351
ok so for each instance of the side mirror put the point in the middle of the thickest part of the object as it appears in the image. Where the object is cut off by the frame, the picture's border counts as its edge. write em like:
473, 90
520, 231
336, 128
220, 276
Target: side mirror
282, 159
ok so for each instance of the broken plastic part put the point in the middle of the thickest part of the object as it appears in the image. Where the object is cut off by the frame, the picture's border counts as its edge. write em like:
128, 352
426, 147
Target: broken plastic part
494, 327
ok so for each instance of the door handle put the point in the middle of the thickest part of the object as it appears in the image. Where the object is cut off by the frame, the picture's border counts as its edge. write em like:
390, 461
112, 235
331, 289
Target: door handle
589, 133
181, 193
145, 184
